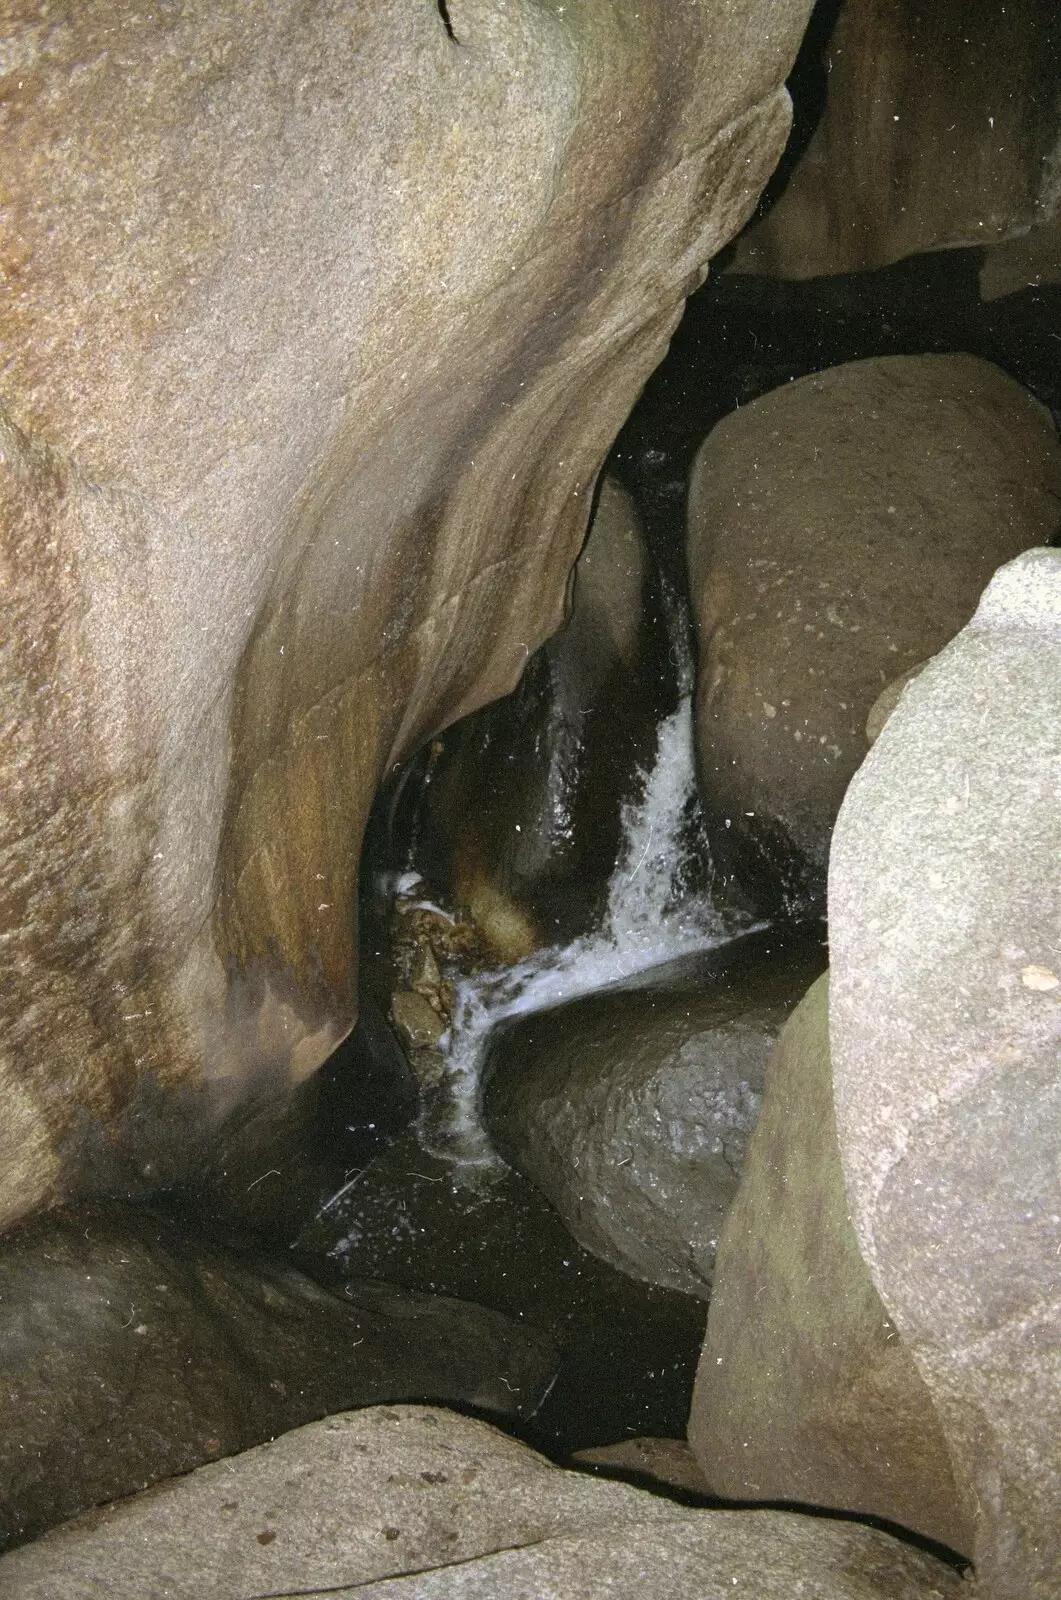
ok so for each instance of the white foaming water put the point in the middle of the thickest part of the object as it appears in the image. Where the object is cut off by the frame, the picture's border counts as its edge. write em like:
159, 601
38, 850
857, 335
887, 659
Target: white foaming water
651, 919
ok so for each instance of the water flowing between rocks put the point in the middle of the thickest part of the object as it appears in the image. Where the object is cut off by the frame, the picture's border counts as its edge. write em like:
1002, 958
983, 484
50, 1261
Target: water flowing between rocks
439, 1210
658, 911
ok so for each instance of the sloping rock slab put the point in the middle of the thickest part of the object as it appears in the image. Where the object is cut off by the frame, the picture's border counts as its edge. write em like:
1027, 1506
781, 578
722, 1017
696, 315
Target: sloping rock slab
355, 1503
649, 1461
130, 1354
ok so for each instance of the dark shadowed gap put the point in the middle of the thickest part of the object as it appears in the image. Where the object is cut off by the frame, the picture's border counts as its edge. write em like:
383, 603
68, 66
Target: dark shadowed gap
807, 84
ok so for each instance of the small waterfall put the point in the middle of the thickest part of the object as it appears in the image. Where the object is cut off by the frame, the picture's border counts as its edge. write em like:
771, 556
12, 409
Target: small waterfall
651, 919
649, 891
678, 623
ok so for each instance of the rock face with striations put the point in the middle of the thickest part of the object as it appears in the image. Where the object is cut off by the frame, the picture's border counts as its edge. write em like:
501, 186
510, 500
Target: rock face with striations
317, 322
351, 1505
945, 1020
841, 530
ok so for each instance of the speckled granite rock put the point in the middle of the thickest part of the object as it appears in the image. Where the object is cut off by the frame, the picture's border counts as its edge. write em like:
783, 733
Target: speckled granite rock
349, 1505
805, 1391
841, 529
945, 1017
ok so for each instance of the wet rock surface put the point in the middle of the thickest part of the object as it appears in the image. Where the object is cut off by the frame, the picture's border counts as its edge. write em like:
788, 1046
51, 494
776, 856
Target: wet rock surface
416, 1022
945, 1019
131, 1353
426, 951
631, 1109
841, 529
353, 1503
805, 1391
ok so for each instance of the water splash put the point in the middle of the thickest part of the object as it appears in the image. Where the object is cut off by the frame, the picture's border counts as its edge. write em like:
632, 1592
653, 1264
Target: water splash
650, 887
652, 918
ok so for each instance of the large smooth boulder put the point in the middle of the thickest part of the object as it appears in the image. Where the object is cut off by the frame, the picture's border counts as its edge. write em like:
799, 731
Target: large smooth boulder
131, 1353
317, 323
841, 530
805, 1391
347, 1506
945, 1019
525, 803
941, 126
631, 1109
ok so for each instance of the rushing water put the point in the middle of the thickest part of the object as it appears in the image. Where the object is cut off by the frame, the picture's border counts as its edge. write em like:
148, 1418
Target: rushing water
653, 917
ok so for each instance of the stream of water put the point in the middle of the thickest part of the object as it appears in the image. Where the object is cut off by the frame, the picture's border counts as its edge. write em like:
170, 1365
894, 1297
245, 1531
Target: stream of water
653, 917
